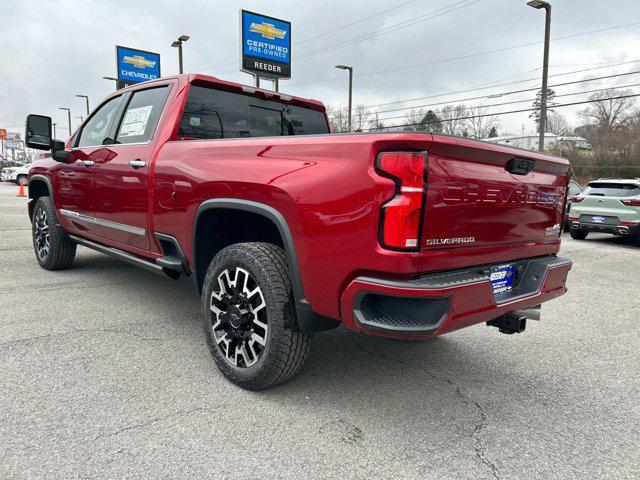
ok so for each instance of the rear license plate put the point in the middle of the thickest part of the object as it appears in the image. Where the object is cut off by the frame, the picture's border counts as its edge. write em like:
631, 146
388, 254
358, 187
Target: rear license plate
502, 278
598, 219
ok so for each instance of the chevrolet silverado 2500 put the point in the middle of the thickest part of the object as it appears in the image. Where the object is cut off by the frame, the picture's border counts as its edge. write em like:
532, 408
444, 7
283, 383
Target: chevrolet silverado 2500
287, 230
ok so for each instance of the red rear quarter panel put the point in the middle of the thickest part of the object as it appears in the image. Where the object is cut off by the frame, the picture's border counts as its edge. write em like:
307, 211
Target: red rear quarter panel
324, 186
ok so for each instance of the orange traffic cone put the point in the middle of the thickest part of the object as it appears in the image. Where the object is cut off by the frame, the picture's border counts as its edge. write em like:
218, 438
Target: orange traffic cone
21, 191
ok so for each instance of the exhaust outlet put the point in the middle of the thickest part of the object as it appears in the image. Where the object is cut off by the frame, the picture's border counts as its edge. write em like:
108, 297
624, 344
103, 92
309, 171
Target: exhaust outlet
623, 230
574, 226
532, 313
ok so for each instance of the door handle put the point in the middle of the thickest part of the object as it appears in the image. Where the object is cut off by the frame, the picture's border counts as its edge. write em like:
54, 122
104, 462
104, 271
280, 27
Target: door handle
88, 163
137, 163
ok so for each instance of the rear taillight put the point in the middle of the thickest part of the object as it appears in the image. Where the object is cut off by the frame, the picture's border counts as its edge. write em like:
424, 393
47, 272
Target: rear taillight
631, 203
402, 215
576, 199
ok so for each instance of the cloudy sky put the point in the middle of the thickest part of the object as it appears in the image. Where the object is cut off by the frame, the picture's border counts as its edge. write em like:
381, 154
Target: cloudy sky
399, 50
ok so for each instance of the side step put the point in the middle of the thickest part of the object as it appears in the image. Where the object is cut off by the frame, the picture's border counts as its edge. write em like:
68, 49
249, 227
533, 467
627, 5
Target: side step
170, 262
119, 254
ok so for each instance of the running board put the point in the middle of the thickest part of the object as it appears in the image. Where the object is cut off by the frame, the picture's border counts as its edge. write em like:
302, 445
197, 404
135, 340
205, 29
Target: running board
119, 254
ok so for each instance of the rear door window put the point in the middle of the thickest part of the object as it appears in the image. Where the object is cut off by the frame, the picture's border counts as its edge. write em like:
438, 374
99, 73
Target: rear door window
211, 113
140, 119
606, 189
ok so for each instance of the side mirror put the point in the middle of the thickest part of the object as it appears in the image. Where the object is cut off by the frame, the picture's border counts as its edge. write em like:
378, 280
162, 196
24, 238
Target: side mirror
38, 134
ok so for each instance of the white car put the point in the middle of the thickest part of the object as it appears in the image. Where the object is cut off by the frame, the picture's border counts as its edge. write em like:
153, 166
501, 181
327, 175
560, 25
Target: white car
15, 174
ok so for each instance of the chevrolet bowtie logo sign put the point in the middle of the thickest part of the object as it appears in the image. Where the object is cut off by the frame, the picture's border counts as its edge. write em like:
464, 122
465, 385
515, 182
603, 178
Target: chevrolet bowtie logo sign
267, 30
139, 61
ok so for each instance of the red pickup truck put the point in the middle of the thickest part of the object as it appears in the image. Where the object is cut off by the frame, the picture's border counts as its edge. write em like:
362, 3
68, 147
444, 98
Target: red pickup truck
288, 230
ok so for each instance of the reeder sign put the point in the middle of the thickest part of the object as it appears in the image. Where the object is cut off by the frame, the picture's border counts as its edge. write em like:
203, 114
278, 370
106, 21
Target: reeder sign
135, 66
266, 45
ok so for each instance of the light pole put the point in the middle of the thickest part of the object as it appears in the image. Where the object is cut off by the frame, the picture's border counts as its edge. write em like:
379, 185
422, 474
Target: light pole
86, 99
542, 123
54, 129
350, 69
112, 78
178, 44
68, 117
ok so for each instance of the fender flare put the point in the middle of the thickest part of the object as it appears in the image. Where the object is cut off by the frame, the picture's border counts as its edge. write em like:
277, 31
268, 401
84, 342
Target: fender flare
39, 178
266, 211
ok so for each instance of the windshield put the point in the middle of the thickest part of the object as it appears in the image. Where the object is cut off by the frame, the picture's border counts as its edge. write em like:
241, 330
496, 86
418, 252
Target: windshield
606, 189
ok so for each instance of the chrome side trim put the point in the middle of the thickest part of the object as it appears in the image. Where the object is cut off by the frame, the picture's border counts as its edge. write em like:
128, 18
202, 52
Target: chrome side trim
120, 226
105, 223
77, 216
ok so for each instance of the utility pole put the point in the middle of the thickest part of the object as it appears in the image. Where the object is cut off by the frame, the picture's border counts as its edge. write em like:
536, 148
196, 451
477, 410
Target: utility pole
542, 122
350, 69
54, 129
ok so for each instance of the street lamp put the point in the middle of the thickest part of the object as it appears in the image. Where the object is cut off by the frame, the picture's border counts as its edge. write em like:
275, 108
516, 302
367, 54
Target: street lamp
542, 124
112, 78
350, 69
68, 117
86, 99
178, 44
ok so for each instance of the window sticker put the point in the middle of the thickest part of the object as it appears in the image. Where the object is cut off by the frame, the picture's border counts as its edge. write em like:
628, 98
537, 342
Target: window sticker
135, 121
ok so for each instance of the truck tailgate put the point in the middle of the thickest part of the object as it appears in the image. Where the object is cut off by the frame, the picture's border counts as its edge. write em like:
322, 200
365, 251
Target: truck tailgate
480, 194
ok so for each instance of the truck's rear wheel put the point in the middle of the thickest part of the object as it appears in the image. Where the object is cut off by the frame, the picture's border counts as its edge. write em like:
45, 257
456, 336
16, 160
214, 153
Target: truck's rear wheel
249, 316
54, 251
578, 234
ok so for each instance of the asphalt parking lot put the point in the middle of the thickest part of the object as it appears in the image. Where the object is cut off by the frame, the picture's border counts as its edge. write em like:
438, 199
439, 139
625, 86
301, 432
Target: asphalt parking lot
104, 373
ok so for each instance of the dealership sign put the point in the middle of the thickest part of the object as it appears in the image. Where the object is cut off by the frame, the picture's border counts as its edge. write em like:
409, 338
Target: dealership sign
135, 66
13, 141
266, 45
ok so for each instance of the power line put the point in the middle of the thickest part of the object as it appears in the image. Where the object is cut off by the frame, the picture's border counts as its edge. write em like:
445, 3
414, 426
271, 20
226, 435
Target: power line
550, 106
512, 92
354, 23
475, 89
463, 57
392, 28
505, 113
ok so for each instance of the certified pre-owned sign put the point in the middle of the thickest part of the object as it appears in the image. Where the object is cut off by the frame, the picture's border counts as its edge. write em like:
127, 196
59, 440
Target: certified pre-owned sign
135, 66
266, 45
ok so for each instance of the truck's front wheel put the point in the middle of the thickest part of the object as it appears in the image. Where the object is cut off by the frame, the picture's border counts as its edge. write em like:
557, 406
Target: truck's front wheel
53, 249
249, 316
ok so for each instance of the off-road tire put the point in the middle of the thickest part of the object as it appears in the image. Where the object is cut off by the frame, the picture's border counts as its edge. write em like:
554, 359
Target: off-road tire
578, 234
62, 251
286, 348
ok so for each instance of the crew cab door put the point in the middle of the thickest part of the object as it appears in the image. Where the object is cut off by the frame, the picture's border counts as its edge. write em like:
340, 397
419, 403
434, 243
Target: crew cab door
122, 176
74, 179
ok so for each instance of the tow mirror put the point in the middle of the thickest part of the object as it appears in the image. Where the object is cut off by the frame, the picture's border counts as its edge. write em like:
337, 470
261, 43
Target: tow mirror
38, 134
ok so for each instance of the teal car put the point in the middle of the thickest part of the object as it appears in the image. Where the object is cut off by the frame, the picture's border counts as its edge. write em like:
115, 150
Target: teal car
607, 206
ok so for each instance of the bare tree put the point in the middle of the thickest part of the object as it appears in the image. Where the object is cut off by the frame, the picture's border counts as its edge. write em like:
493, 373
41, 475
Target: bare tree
413, 119
362, 117
610, 113
556, 123
337, 118
376, 123
478, 123
452, 118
